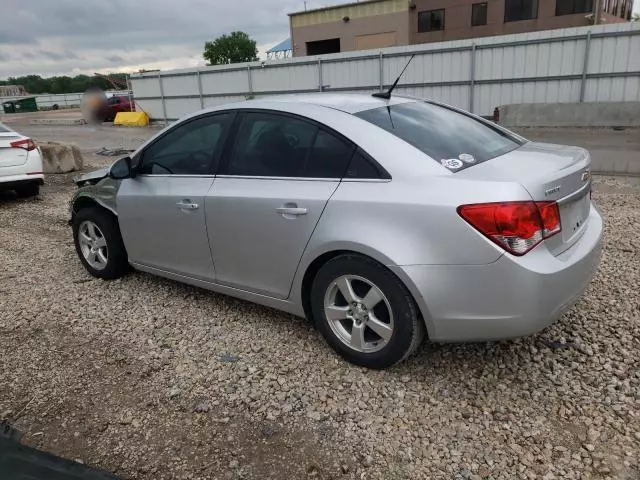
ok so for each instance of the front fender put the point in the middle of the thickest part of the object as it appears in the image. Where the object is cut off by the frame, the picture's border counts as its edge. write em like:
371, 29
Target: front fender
103, 193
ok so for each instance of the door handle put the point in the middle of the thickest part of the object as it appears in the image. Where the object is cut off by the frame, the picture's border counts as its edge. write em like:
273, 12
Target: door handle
187, 205
293, 211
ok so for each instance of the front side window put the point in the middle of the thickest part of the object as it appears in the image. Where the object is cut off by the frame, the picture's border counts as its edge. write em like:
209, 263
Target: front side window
478, 14
568, 7
273, 145
515, 10
431, 21
453, 139
192, 148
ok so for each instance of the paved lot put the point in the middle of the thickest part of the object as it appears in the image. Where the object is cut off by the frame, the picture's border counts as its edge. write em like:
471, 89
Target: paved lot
613, 152
152, 379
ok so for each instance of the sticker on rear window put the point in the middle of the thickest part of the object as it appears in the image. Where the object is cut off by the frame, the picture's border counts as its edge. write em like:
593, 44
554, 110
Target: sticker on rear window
467, 158
451, 163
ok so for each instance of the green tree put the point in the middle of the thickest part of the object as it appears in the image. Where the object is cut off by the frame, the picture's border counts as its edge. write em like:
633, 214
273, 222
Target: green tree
234, 48
35, 84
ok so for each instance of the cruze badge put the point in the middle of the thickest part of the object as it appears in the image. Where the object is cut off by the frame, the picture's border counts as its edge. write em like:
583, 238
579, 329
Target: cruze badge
586, 175
551, 191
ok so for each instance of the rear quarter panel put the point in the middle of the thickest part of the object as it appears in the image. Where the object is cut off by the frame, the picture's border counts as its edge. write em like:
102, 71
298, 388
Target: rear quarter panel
410, 222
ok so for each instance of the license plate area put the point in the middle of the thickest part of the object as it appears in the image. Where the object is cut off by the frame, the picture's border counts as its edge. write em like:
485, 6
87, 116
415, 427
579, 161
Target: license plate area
574, 215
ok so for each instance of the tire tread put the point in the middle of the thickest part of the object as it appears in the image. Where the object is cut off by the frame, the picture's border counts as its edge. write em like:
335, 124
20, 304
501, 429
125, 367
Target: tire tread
417, 328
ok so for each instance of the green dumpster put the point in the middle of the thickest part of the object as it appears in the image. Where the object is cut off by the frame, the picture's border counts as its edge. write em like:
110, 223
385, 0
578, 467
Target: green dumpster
19, 105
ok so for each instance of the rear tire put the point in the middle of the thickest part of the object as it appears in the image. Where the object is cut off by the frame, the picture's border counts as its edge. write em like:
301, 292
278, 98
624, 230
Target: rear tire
379, 325
31, 189
98, 242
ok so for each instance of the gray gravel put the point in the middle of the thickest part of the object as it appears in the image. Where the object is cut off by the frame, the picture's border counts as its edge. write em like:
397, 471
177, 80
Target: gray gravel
152, 379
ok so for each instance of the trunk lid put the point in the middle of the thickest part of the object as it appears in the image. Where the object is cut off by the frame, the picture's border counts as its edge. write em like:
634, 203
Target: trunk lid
549, 173
9, 156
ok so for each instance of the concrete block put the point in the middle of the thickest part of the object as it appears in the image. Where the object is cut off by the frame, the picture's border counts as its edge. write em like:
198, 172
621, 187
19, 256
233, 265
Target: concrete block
588, 114
68, 122
60, 157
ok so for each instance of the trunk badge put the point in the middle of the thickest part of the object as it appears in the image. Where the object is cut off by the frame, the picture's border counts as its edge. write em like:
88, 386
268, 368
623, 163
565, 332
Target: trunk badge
586, 175
551, 191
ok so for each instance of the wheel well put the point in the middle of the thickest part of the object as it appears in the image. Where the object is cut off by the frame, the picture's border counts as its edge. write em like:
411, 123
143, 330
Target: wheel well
313, 269
86, 202
310, 274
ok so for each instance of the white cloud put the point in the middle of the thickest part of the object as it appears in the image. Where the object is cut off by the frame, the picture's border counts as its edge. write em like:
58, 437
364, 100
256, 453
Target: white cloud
67, 37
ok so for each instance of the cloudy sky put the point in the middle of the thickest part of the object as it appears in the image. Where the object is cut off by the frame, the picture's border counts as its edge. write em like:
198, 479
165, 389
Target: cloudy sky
67, 37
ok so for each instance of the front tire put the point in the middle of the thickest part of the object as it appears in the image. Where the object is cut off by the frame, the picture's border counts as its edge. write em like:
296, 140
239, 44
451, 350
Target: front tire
365, 312
98, 242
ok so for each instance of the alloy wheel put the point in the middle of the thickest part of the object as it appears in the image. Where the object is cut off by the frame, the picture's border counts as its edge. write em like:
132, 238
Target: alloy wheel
93, 245
358, 313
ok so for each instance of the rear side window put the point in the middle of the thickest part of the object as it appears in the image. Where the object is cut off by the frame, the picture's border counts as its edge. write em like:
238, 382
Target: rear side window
272, 145
455, 140
362, 167
329, 156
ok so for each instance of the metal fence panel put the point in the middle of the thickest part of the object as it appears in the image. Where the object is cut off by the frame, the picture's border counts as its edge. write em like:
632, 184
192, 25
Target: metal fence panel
152, 107
599, 63
175, 86
215, 101
216, 82
360, 72
179, 107
288, 78
145, 86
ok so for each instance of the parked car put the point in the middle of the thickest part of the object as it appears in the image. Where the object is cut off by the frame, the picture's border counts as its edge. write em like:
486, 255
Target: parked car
379, 220
113, 105
20, 163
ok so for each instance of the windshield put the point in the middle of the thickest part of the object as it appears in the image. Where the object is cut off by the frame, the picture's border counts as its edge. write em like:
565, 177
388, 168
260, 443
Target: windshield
454, 139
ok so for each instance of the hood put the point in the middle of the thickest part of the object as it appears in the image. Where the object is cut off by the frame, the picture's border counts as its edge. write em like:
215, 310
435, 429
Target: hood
92, 177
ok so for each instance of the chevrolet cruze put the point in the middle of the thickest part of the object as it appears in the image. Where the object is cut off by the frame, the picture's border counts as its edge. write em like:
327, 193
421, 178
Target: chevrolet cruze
382, 220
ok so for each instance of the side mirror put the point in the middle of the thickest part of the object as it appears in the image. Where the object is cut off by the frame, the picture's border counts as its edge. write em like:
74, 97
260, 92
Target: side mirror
121, 169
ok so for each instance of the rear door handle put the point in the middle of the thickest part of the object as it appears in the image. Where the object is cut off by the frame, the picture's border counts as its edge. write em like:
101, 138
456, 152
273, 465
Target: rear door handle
293, 211
187, 205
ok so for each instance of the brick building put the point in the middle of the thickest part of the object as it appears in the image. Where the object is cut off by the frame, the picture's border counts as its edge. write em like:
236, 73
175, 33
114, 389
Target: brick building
385, 23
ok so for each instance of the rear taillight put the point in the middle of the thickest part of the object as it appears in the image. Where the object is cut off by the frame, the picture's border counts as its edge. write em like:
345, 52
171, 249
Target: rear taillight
26, 144
515, 226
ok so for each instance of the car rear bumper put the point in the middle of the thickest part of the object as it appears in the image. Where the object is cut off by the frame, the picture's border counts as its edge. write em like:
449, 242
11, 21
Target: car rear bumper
511, 297
10, 181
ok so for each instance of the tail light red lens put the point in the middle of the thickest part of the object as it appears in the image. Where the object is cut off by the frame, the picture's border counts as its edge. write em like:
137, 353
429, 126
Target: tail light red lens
26, 144
515, 226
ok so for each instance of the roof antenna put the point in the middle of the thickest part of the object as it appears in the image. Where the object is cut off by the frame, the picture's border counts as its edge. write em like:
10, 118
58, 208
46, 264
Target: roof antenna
387, 95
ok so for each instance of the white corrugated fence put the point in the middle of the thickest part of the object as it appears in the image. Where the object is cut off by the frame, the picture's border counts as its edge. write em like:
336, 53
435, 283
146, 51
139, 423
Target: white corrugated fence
585, 64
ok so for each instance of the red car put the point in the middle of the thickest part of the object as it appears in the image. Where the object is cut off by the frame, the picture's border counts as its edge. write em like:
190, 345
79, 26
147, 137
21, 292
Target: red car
114, 105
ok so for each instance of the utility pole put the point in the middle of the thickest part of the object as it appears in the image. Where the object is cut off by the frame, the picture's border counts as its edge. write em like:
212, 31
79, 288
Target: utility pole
597, 11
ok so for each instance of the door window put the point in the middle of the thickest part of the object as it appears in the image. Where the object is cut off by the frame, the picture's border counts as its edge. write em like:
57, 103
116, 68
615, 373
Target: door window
192, 148
272, 145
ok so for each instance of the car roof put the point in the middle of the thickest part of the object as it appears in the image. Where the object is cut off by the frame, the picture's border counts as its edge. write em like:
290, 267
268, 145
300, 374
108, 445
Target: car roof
346, 102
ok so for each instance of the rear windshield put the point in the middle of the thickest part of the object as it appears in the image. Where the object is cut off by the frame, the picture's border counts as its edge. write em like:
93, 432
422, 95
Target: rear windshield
4, 129
455, 140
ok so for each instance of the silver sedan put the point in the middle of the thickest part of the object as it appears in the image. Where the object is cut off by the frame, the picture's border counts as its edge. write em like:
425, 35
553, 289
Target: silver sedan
380, 220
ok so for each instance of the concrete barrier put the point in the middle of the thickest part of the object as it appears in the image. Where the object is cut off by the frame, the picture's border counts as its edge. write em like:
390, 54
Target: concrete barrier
597, 114
60, 157
67, 122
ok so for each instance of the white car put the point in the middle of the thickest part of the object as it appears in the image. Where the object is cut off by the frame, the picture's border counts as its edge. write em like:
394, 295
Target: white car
20, 163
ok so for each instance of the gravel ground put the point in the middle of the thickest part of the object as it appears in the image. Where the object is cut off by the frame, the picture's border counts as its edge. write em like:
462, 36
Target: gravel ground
151, 379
